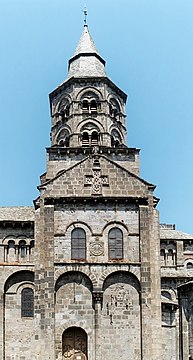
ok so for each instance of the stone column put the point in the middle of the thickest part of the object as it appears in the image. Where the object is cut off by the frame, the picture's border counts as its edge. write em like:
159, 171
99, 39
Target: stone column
97, 297
44, 284
180, 253
2, 327
177, 333
184, 341
150, 282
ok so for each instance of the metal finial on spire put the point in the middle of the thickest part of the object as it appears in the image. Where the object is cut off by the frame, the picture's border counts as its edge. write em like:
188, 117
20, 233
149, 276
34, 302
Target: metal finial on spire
85, 15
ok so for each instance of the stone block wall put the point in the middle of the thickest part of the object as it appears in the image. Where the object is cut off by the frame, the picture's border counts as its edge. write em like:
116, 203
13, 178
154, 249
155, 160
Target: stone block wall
96, 220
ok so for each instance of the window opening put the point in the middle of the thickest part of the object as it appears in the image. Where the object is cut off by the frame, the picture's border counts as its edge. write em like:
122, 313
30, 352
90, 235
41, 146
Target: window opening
89, 106
189, 265
166, 294
22, 249
11, 244
93, 106
188, 245
78, 244
115, 244
85, 106
85, 139
94, 138
27, 303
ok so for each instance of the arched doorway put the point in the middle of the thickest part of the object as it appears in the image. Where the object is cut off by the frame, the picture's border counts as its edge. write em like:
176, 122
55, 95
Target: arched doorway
74, 344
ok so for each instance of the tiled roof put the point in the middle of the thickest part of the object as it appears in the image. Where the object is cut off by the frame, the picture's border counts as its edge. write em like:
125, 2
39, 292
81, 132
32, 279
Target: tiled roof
17, 213
174, 234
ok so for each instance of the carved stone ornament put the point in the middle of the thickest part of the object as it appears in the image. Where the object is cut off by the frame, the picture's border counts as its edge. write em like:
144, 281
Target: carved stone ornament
97, 181
98, 296
96, 247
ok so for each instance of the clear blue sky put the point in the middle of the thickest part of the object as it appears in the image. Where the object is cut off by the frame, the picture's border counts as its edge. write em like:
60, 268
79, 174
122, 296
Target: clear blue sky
148, 46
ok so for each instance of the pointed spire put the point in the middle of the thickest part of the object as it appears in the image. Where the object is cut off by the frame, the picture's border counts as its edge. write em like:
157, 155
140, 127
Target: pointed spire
86, 60
86, 43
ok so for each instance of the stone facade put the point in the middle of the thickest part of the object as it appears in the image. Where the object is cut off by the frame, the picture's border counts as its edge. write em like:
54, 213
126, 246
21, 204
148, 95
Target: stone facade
88, 272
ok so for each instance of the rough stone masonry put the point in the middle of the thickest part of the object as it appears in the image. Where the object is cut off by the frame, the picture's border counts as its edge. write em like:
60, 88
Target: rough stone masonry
88, 272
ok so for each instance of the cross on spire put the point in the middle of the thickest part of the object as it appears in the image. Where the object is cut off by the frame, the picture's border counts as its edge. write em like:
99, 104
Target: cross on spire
85, 15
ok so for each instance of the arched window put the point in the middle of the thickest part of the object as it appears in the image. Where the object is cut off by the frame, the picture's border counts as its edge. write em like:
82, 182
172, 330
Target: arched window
11, 251
67, 111
85, 106
85, 139
115, 239
189, 265
27, 303
166, 294
93, 106
170, 253
78, 244
115, 138
114, 108
62, 139
22, 248
94, 138
11, 245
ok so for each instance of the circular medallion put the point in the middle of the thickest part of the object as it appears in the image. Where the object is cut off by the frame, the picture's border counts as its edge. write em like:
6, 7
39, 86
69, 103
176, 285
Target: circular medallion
97, 248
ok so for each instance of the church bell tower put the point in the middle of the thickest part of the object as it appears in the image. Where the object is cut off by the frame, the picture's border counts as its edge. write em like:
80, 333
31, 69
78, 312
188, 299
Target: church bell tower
97, 227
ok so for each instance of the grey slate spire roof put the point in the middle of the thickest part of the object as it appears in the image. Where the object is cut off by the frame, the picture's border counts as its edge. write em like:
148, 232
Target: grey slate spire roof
86, 43
86, 61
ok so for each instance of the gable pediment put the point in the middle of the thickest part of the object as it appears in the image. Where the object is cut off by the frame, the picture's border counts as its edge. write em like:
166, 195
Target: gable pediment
96, 176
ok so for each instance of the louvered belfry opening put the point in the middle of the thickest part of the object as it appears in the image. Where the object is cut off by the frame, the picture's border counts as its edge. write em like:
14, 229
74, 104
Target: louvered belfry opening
78, 244
115, 240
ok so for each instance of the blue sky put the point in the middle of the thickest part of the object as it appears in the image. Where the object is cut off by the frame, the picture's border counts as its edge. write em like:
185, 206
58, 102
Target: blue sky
148, 47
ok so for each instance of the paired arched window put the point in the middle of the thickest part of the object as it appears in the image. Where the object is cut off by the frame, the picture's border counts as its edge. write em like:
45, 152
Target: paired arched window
78, 244
90, 139
115, 244
89, 106
27, 302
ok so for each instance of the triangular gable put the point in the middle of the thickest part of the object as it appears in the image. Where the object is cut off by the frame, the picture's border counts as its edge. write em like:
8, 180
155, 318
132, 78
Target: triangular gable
96, 176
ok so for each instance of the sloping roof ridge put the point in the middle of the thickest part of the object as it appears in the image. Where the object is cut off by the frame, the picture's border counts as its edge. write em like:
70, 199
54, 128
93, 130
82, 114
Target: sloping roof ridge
129, 172
60, 173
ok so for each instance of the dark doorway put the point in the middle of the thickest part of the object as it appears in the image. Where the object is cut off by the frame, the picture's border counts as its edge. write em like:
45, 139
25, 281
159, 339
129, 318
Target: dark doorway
74, 344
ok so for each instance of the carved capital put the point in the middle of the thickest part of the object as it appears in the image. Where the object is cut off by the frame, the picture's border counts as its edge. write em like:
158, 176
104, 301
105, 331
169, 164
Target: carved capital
98, 296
